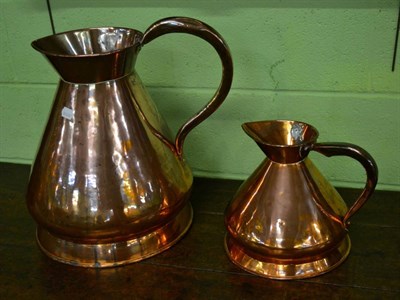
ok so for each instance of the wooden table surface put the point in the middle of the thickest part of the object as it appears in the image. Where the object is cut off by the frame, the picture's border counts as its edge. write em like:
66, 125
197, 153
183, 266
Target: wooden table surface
197, 267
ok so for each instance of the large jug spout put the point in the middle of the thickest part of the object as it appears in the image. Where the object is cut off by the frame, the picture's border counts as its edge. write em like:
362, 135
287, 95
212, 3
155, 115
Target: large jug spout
75, 54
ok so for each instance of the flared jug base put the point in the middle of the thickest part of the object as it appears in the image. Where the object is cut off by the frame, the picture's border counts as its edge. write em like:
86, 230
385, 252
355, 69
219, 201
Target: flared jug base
287, 271
120, 253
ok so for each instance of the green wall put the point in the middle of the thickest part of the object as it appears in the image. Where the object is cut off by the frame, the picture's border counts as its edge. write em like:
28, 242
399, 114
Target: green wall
325, 62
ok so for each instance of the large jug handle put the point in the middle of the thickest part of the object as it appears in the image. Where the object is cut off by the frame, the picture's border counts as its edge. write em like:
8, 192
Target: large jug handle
364, 158
207, 33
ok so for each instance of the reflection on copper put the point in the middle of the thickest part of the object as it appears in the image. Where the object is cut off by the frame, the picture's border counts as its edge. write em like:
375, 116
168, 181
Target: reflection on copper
110, 185
286, 221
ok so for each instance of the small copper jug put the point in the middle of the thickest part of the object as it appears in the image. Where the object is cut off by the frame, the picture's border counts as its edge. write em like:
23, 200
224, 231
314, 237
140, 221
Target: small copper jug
286, 221
110, 184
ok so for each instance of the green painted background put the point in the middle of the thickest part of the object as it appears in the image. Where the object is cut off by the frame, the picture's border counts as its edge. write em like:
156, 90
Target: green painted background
325, 62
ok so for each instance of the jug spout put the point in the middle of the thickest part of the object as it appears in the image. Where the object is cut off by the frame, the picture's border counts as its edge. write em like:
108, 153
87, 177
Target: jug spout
282, 141
91, 55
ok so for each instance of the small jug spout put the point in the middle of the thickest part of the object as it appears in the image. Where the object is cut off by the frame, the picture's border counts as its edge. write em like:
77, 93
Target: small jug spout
282, 141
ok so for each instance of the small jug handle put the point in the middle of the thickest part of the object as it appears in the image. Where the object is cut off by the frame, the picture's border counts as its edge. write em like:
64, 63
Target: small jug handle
364, 158
207, 33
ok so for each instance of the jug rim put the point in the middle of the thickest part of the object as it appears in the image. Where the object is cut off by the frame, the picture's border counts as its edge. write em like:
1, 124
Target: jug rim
35, 45
256, 137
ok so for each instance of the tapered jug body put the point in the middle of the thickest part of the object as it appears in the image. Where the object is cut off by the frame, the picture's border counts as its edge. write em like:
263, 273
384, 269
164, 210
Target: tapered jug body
287, 221
110, 184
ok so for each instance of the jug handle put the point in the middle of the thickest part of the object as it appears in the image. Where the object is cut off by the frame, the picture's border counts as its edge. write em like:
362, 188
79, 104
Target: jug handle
207, 33
365, 159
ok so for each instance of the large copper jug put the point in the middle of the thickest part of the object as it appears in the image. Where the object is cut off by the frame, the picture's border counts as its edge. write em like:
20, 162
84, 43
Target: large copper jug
110, 185
287, 221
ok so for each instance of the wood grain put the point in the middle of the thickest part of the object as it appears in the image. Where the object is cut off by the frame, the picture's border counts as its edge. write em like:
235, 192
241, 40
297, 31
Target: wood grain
196, 267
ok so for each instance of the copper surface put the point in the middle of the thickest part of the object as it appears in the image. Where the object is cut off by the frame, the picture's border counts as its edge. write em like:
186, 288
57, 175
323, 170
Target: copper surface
110, 185
287, 221
101, 255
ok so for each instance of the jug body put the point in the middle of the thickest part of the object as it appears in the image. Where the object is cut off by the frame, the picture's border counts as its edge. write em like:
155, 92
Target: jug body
287, 221
110, 184
102, 177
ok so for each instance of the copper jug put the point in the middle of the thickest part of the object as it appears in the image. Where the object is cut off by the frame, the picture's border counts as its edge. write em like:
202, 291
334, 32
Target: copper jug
110, 185
286, 221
